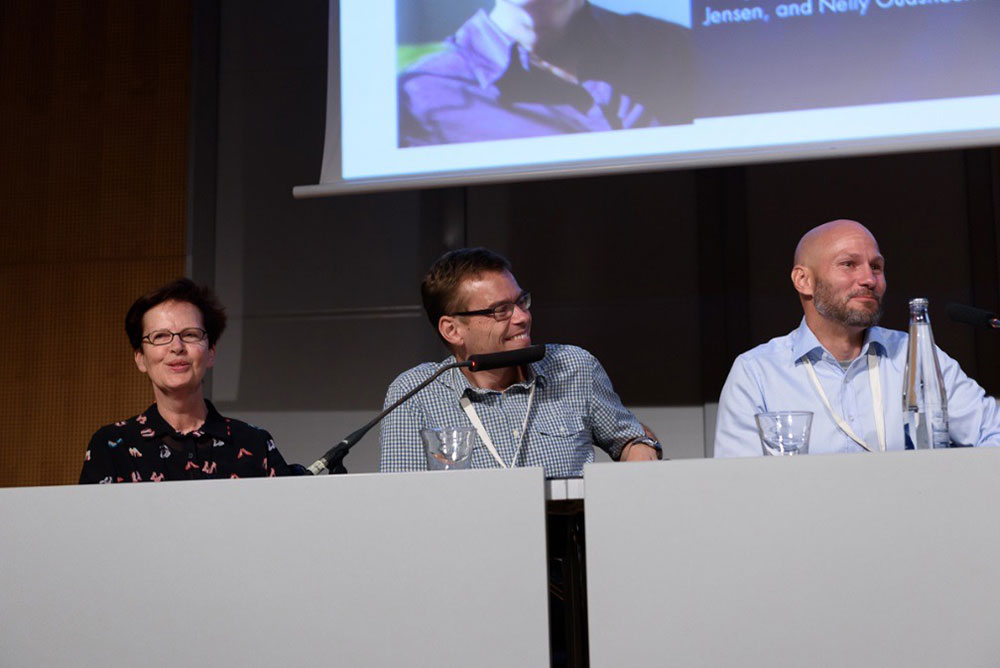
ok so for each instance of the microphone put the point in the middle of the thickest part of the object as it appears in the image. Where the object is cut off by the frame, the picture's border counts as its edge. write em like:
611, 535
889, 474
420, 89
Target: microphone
334, 457
519, 357
971, 315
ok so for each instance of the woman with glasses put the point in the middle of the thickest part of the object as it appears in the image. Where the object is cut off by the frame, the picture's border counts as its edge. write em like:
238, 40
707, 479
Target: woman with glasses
173, 331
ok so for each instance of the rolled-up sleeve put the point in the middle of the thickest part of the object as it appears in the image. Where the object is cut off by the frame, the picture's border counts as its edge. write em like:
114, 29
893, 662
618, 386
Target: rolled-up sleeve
612, 425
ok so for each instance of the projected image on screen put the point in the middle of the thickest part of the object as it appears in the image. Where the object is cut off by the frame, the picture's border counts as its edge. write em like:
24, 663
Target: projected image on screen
433, 92
529, 68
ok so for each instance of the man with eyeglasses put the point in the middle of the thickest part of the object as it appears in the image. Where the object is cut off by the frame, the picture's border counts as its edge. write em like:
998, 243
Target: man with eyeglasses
549, 413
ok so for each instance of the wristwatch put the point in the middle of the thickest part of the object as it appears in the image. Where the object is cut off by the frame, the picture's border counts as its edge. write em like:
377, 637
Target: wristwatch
645, 440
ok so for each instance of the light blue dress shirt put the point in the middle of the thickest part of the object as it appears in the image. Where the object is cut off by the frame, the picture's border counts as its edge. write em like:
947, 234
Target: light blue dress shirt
773, 377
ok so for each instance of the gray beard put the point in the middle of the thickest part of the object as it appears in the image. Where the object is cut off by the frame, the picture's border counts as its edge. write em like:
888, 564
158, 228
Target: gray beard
827, 306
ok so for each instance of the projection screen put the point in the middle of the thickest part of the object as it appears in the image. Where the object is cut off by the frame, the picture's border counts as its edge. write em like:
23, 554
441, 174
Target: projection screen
435, 92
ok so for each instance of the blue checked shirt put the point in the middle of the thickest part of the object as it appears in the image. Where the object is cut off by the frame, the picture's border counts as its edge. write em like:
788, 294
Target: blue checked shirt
772, 377
574, 408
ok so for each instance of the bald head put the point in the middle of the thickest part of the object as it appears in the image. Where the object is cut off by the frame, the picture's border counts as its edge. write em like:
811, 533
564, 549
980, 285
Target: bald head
814, 242
840, 277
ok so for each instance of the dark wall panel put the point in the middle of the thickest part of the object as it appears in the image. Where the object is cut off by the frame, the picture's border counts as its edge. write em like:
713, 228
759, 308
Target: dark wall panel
612, 263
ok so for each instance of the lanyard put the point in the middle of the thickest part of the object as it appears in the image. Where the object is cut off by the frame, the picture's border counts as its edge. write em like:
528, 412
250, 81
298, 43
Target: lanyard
470, 410
876, 387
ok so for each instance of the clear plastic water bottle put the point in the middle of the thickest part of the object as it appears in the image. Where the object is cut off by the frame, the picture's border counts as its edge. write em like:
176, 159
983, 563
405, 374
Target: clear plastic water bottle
925, 401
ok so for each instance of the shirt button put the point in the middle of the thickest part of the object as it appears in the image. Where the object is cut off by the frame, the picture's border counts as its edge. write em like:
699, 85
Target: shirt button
190, 455
516, 433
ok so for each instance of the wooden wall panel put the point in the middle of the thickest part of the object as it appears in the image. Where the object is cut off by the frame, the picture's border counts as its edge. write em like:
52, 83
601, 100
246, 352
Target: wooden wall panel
94, 109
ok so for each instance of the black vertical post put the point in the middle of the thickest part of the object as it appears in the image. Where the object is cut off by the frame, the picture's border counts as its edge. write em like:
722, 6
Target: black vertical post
724, 273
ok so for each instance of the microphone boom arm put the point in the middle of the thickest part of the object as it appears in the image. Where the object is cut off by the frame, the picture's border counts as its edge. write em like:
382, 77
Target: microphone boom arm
334, 457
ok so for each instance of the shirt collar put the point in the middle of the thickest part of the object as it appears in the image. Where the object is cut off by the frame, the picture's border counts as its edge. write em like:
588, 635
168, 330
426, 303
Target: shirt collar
153, 424
456, 380
876, 340
804, 342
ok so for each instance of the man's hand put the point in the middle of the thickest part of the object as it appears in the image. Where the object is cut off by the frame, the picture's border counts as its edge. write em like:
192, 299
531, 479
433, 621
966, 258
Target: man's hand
638, 452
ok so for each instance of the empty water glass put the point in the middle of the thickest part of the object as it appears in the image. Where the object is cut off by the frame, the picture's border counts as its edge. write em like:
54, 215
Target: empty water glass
784, 432
448, 447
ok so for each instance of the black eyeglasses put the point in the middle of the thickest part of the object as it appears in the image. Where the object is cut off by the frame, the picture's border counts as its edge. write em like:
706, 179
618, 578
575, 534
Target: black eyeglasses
502, 311
162, 337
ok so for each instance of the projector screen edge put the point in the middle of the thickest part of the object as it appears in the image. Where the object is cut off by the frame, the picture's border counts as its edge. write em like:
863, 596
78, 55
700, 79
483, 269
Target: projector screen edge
770, 154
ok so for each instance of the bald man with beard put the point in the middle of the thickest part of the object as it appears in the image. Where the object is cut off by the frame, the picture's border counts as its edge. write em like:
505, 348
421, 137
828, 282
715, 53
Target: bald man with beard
838, 363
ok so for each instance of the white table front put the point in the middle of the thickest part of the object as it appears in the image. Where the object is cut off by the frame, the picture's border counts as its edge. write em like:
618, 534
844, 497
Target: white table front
431, 569
838, 560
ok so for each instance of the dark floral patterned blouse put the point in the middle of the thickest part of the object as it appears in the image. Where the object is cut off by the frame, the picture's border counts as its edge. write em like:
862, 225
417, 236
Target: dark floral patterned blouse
146, 448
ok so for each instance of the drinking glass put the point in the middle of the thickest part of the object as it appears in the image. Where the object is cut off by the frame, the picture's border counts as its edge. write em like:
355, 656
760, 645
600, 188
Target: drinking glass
784, 432
448, 447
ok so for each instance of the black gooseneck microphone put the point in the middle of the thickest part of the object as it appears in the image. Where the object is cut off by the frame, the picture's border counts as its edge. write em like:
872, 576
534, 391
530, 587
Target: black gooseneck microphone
507, 358
971, 315
334, 457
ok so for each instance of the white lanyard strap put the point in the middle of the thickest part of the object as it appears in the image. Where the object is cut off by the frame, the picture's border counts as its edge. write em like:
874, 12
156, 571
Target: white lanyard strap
470, 411
876, 386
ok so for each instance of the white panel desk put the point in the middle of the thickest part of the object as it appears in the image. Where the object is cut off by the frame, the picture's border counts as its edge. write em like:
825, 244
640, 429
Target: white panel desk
430, 569
843, 560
